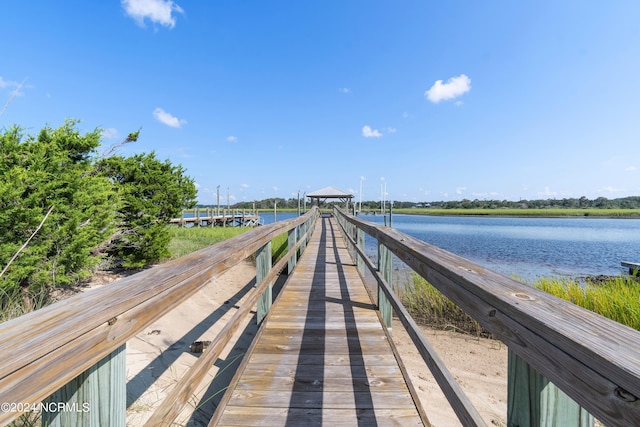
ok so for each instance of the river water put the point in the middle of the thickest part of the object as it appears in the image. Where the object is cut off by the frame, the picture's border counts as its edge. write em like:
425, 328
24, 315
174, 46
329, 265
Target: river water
526, 248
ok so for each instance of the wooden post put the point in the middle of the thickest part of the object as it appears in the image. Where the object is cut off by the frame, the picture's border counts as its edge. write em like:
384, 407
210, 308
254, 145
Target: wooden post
263, 265
360, 245
303, 230
97, 397
291, 243
385, 262
535, 401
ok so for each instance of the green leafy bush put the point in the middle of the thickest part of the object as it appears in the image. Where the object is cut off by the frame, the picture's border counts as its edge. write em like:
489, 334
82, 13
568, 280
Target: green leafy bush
51, 172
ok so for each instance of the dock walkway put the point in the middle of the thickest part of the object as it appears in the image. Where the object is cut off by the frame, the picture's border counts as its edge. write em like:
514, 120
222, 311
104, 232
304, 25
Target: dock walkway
322, 357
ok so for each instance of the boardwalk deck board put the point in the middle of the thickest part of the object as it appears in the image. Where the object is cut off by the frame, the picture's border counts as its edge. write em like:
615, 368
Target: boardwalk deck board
322, 357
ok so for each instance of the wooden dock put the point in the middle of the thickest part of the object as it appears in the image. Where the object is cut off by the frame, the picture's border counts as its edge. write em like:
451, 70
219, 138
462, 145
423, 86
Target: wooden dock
224, 220
322, 357
633, 267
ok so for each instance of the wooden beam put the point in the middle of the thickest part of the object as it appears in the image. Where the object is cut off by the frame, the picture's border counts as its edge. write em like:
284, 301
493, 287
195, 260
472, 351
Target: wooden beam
594, 360
52, 346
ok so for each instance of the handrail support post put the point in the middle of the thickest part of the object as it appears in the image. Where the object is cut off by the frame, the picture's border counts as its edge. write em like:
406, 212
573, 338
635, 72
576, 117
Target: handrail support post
96, 397
292, 239
535, 401
263, 265
385, 262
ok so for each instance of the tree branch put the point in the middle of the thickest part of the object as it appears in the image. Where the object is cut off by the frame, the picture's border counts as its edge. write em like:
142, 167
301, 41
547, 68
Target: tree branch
27, 242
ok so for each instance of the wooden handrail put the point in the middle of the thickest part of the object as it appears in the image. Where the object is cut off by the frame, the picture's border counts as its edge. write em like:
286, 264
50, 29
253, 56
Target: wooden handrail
460, 403
594, 360
43, 350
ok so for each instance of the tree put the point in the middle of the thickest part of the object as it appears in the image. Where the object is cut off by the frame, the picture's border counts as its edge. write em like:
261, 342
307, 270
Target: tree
53, 172
151, 193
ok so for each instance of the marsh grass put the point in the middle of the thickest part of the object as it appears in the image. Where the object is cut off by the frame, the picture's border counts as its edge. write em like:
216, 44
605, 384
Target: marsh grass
185, 240
427, 305
617, 298
279, 247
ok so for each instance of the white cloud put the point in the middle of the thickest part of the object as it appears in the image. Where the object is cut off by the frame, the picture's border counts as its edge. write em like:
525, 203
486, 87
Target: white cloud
232, 138
345, 90
460, 190
109, 133
6, 83
391, 130
611, 190
630, 168
166, 118
16, 86
453, 88
548, 193
157, 11
367, 132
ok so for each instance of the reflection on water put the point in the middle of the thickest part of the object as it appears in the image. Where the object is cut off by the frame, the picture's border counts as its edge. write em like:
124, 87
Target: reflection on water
526, 248
530, 247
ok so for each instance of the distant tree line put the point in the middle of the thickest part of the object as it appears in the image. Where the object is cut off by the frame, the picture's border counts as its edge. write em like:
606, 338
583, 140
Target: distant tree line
575, 203
582, 202
64, 207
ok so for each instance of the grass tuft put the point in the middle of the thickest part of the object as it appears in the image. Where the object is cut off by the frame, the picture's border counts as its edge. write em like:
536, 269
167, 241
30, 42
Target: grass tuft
428, 305
617, 298
185, 240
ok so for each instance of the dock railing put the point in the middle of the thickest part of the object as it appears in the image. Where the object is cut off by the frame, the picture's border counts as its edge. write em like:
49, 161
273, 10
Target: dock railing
67, 359
552, 343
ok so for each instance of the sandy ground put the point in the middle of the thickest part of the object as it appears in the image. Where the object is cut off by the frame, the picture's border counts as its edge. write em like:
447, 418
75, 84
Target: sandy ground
158, 357
479, 365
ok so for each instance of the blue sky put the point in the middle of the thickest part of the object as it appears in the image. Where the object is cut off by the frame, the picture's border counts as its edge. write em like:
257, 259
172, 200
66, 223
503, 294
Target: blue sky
437, 100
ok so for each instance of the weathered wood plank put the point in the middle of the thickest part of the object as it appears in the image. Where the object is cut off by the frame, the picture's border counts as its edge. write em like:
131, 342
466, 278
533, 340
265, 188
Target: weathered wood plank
594, 360
51, 346
334, 399
239, 416
317, 359
322, 346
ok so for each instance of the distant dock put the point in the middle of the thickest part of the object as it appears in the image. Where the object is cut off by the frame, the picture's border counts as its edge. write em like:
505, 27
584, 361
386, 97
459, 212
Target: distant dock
633, 267
209, 218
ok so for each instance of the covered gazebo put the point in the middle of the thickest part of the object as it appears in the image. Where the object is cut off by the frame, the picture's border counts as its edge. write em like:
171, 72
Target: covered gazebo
330, 193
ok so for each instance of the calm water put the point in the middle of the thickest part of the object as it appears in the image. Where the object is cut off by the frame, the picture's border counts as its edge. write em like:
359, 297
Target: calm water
530, 247
525, 247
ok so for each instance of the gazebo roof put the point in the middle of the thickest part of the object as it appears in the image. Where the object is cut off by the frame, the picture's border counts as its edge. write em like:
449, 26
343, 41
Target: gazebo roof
329, 193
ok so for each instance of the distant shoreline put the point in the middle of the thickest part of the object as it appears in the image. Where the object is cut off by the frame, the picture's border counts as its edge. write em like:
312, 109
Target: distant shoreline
527, 213
498, 212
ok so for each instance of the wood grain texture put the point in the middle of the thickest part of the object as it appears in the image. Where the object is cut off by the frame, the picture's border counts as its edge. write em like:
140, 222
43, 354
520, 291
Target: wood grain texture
594, 360
51, 346
321, 357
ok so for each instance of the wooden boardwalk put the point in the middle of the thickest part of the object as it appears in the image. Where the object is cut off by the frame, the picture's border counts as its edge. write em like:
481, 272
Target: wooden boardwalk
322, 357
227, 220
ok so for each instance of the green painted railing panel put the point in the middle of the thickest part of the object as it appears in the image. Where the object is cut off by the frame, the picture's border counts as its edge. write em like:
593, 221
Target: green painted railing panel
263, 265
360, 244
95, 398
292, 239
385, 260
535, 401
